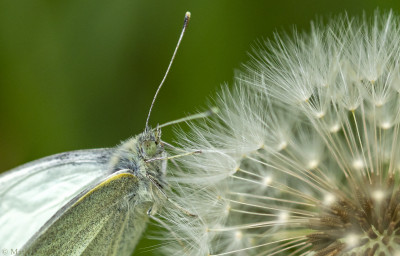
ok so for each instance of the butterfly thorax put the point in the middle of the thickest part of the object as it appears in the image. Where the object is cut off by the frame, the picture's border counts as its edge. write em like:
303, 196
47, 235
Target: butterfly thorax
138, 155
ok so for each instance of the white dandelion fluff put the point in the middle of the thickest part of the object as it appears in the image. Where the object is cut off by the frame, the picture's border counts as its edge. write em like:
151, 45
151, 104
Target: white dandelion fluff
303, 157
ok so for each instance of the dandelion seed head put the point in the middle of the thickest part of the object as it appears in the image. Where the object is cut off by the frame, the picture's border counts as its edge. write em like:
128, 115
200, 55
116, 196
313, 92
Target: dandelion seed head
303, 157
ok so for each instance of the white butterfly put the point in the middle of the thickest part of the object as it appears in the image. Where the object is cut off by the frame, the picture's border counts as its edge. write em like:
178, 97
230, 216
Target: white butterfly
85, 202
108, 194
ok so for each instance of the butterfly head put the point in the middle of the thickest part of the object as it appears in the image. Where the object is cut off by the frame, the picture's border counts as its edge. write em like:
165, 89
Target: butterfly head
150, 143
134, 155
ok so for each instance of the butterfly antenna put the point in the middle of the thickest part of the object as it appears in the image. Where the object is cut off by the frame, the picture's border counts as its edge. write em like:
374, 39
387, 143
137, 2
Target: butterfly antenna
185, 23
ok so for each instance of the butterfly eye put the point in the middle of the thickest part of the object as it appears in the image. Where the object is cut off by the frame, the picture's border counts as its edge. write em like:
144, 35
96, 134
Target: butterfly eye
150, 147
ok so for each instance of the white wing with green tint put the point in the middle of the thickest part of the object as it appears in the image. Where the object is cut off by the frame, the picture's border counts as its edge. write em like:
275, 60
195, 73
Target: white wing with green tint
99, 221
32, 193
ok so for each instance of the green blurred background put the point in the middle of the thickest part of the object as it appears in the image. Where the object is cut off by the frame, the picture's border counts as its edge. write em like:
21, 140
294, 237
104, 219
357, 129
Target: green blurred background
82, 73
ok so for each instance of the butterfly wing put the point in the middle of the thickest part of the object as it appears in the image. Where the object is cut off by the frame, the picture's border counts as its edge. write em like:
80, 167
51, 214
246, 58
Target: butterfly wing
32, 193
99, 221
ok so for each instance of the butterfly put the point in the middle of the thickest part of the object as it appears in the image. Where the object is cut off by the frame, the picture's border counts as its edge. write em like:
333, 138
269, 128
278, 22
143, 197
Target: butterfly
86, 202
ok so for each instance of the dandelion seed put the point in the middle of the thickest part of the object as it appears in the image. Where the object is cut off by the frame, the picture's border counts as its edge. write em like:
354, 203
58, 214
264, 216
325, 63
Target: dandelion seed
329, 199
385, 125
267, 180
334, 128
378, 195
358, 164
325, 181
238, 235
352, 240
283, 217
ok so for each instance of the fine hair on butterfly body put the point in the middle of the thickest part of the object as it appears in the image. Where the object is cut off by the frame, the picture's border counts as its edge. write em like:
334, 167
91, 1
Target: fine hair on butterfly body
85, 202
